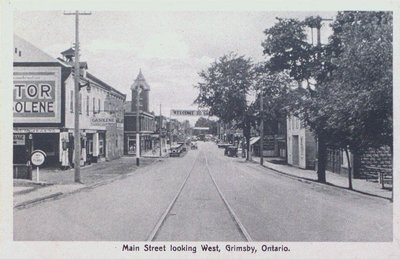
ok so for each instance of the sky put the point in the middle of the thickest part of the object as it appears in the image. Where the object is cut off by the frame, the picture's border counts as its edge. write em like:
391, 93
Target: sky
170, 48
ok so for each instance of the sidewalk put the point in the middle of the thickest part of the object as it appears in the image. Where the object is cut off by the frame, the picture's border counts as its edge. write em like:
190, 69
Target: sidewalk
56, 182
156, 153
333, 179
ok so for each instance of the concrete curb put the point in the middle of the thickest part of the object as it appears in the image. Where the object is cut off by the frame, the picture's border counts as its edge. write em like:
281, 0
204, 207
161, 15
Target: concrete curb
37, 200
308, 180
84, 187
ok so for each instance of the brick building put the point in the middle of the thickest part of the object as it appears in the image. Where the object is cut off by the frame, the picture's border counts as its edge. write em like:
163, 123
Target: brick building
146, 126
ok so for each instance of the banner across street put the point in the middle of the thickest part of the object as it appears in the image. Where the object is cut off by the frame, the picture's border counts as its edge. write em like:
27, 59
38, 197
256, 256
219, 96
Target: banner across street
190, 112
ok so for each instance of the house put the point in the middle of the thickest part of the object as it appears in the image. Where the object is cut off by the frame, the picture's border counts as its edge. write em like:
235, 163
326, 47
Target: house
301, 144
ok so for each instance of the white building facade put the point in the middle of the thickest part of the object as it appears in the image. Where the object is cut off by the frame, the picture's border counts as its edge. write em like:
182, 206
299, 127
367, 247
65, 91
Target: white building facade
301, 144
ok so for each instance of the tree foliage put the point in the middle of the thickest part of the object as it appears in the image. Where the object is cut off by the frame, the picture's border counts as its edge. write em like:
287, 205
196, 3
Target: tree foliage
204, 122
223, 89
289, 51
274, 88
345, 87
360, 87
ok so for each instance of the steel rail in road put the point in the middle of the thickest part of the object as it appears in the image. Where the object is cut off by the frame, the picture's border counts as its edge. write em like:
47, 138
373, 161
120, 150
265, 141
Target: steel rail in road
153, 234
157, 227
239, 224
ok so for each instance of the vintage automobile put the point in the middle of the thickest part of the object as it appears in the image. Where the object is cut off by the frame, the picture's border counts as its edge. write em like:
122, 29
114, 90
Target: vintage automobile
223, 145
183, 146
176, 150
193, 145
231, 151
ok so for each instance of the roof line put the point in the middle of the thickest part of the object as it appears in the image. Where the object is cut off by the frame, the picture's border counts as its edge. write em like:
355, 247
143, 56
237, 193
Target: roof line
91, 76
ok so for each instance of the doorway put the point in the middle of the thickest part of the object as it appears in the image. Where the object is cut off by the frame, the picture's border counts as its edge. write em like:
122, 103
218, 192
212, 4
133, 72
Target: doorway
295, 150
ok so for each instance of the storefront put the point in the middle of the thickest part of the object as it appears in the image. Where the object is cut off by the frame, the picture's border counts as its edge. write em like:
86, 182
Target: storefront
147, 127
146, 143
38, 104
44, 110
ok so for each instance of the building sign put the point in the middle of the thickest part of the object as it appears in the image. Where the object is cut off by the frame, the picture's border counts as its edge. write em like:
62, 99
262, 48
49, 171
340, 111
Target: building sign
201, 128
38, 157
190, 112
37, 95
36, 130
19, 140
103, 119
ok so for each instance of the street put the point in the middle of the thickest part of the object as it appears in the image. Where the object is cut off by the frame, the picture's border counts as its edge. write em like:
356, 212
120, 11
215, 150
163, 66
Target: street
206, 196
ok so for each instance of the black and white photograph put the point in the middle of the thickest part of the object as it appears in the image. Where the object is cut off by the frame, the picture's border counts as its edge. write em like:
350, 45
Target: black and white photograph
235, 132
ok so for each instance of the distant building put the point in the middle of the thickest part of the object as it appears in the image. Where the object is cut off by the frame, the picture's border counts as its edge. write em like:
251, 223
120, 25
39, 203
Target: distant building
146, 126
140, 82
274, 141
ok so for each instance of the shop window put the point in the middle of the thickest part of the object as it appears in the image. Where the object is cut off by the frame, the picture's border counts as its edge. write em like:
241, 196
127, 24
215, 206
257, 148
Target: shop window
101, 147
131, 144
90, 144
71, 102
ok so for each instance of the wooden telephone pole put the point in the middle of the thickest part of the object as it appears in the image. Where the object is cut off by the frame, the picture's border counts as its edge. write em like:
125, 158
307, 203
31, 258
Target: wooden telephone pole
77, 137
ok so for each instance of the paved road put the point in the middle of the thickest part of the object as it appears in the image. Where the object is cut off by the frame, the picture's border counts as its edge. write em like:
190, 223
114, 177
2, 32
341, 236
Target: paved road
279, 208
271, 207
199, 213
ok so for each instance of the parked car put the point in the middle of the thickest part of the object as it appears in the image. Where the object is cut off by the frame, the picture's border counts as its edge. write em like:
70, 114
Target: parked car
193, 145
223, 145
231, 151
183, 146
176, 150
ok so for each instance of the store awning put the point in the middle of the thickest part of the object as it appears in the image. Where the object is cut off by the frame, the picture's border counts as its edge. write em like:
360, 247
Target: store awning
254, 140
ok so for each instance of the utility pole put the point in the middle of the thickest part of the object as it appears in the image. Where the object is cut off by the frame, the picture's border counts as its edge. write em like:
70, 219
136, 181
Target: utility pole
160, 131
137, 125
77, 137
261, 127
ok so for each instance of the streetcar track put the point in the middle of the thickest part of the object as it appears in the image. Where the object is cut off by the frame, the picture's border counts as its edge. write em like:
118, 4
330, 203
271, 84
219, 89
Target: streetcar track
153, 234
236, 219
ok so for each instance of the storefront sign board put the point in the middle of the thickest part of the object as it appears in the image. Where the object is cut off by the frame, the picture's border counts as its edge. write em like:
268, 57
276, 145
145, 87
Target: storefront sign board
37, 94
19, 140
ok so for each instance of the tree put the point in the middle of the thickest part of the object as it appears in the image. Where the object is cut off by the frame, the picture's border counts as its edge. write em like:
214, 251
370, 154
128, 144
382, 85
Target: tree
203, 122
360, 87
363, 78
275, 88
288, 51
223, 89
